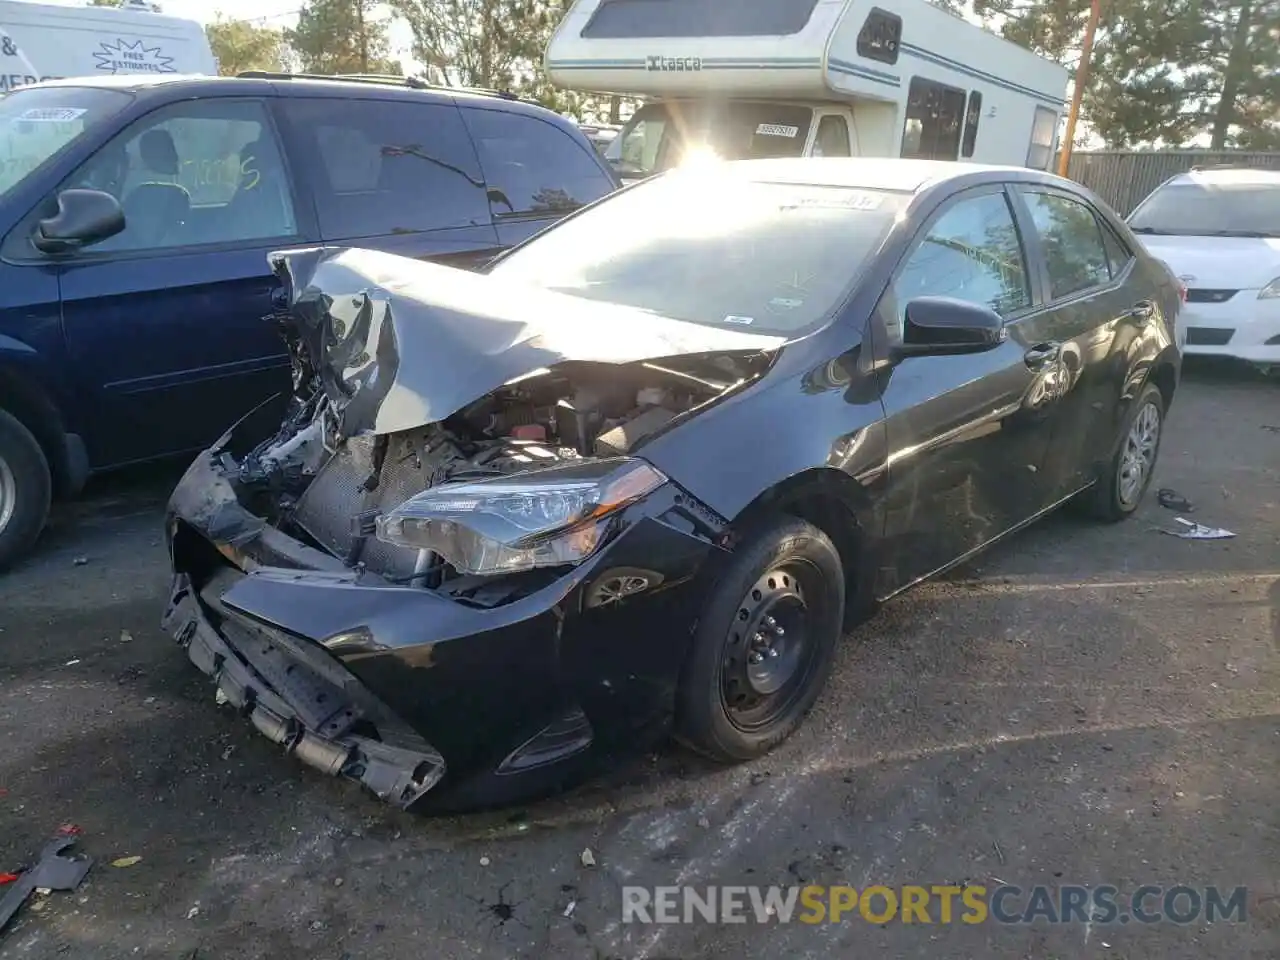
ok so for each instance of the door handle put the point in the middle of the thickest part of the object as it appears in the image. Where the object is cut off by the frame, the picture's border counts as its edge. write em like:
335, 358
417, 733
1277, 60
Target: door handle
1042, 354
1143, 310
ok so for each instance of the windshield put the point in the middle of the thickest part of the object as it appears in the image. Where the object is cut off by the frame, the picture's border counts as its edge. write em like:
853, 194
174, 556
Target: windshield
708, 247
660, 136
37, 122
1219, 209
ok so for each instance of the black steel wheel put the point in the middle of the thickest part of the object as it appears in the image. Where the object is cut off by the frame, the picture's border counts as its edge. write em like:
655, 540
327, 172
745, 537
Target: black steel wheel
764, 644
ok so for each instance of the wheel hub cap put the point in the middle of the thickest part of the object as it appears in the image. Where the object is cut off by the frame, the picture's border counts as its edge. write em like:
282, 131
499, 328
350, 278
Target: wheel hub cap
8, 494
1139, 456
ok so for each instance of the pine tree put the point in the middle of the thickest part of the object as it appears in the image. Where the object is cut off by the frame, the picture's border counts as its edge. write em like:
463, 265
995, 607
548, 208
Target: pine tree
340, 36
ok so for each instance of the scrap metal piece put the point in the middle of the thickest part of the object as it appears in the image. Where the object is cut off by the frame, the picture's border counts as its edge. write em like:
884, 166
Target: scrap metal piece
52, 872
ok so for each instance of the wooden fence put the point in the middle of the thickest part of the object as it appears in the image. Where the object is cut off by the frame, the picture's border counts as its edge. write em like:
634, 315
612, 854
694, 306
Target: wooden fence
1124, 177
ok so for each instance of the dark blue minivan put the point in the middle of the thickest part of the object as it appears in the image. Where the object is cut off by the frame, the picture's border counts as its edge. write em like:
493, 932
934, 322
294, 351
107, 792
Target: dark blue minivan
137, 214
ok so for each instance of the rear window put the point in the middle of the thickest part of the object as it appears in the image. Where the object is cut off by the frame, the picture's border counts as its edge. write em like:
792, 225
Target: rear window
1246, 208
636, 19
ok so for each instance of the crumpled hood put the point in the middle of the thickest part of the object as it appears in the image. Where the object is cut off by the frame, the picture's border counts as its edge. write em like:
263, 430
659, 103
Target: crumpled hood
399, 343
1218, 263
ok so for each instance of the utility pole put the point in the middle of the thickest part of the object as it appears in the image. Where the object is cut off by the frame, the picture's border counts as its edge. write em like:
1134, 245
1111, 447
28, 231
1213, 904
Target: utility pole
1082, 77
364, 37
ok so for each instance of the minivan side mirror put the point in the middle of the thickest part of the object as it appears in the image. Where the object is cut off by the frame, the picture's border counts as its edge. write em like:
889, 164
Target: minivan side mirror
947, 325
84, 217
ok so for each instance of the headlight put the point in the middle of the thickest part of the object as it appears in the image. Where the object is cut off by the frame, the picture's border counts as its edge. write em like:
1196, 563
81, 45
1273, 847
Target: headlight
1271, 291
544, 518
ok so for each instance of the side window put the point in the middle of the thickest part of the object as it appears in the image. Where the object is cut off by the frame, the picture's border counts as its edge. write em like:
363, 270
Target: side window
971, 252
194, 173
1044, 129
533, 167
971, 117
932, 128
385, 167
832, 138
1118, 255
880, 36
1073, 246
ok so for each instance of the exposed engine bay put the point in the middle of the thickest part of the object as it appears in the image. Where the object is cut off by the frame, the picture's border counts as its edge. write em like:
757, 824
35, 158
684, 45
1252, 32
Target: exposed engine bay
329, 490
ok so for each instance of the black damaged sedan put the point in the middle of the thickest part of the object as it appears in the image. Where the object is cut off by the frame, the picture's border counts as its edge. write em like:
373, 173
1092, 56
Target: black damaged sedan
642, 474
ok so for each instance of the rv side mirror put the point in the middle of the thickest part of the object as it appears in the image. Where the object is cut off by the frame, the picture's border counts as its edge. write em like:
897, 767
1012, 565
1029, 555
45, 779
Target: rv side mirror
84, 217
947, 325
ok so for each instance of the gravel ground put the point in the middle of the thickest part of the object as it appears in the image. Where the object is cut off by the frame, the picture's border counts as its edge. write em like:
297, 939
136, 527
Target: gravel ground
1084, 705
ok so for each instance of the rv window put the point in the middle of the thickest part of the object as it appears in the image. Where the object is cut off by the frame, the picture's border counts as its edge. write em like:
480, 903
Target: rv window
832, 139
644, 19
934, 113
1043, 130
971, 118
664, 135
880, 35
1073, 245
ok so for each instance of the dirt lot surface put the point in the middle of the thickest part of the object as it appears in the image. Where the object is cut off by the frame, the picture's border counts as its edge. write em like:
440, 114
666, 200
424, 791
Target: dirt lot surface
1085, 705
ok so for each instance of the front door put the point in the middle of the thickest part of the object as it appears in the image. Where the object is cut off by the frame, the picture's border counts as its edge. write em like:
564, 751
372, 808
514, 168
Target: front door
164, 322
965, 439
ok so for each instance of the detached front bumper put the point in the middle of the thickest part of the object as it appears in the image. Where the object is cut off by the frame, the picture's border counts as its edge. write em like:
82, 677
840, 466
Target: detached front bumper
409, 691
398, 775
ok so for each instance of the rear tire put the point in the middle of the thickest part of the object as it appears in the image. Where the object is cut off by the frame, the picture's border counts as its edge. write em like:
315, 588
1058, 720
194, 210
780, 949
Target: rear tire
26, 489
1120, 490
764, 644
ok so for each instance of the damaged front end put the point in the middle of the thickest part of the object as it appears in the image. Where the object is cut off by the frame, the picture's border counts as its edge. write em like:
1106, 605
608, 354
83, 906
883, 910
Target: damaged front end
416, 578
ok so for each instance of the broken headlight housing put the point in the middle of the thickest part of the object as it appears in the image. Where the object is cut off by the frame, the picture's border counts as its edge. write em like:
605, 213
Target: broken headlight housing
543, 518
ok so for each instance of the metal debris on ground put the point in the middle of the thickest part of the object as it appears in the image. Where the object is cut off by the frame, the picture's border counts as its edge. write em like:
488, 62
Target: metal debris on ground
1172, 500
52, 871
1198, 531
568, 911
588, 858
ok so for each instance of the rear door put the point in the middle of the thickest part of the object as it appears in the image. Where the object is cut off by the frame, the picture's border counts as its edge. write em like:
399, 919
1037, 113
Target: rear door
536, 172
966, 441
164, 322
399, 175
1097, 304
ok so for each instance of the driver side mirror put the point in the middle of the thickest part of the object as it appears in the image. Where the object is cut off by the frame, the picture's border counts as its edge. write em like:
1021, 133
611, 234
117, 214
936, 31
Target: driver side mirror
84, 217
940, 326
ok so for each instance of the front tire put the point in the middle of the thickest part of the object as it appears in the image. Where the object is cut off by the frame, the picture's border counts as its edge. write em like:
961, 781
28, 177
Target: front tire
1120, 490
764, 643
25, 489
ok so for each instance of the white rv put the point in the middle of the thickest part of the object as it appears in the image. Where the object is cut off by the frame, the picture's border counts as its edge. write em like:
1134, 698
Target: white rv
773, 78
45, 42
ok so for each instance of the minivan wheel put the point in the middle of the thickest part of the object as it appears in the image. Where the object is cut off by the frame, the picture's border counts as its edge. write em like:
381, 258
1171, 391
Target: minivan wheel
1118, 493
25, 489
764, 643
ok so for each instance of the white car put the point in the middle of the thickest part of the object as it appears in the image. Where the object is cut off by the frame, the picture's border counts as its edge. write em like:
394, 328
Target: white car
1218, 230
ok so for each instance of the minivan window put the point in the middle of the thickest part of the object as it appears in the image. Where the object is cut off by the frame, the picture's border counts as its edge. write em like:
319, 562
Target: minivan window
533, 167
663, 135
710, 247
384, 167
1220, 208
193, 173
37, 123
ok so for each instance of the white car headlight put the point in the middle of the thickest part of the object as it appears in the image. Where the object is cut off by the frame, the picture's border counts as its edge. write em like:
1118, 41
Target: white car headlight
543, 518
1271, 291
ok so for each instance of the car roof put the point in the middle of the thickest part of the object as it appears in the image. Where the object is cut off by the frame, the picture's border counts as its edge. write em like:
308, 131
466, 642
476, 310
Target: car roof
371, 88
1223, 176
881, 173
